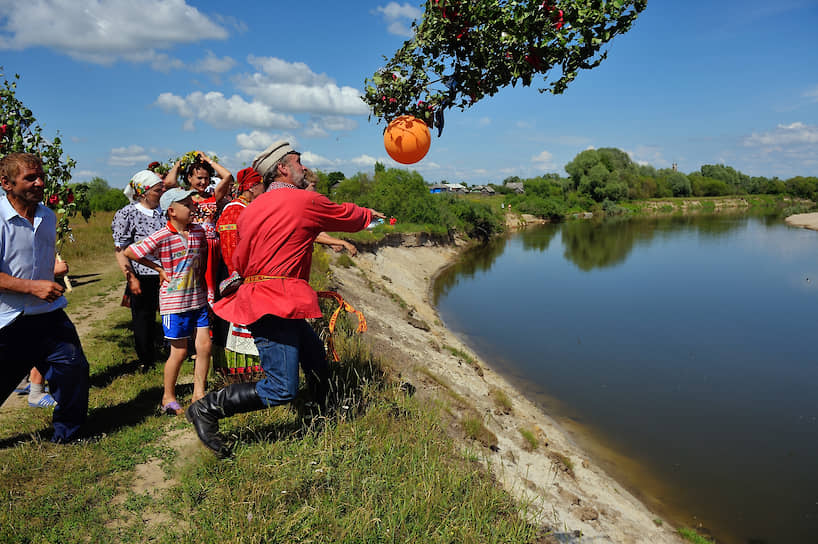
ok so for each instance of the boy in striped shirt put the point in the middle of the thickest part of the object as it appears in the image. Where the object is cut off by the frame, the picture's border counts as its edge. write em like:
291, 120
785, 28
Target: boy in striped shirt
181, 248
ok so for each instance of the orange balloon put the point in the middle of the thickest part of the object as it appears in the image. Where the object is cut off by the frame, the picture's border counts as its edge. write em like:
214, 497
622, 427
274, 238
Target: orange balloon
407, 139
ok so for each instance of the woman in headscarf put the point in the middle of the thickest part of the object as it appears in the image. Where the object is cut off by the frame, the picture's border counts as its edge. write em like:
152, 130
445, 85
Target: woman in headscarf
239, 361
141, 218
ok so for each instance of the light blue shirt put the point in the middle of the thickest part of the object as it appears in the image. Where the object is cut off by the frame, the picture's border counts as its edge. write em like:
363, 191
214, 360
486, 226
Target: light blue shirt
27, 252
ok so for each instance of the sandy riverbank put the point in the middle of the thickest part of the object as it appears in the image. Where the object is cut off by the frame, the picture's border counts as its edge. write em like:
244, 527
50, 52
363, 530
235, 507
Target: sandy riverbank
804, 220
582, 500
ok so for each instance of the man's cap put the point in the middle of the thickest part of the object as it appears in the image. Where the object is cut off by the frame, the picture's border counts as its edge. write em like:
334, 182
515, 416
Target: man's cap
173, 195
267, 159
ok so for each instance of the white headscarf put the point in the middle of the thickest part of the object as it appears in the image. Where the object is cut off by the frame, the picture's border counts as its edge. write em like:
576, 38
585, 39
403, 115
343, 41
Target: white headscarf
140, 183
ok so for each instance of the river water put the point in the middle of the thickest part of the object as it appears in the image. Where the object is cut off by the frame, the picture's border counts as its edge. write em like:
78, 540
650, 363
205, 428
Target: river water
680, 352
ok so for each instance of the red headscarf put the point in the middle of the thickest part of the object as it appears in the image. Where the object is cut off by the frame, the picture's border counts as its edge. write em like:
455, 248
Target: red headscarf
247, 179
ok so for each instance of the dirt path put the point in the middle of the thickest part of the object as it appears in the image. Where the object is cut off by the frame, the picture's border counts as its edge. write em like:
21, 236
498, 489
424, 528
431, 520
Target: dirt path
97, 303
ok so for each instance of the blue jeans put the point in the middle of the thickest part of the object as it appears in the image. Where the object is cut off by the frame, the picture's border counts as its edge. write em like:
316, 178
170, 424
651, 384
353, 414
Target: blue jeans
50, 343
282, 344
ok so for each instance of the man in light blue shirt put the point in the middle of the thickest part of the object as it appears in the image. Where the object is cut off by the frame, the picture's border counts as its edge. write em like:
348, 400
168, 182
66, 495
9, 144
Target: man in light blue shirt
34, 329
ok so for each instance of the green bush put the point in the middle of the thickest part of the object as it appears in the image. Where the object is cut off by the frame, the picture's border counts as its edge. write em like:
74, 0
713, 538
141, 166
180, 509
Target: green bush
109, 201
476, 219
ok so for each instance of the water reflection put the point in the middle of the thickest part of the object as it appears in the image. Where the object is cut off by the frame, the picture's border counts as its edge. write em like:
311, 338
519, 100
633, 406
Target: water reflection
591, 245
538, 238
479, 259
687, 342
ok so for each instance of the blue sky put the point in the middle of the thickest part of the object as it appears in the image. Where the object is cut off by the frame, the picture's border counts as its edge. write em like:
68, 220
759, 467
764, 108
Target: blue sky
128, 82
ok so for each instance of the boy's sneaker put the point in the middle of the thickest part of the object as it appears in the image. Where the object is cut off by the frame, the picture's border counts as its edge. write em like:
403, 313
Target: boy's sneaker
46, 401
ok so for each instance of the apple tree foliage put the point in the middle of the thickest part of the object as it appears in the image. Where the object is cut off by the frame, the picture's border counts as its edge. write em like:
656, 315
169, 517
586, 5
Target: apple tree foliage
21, 133
463, 51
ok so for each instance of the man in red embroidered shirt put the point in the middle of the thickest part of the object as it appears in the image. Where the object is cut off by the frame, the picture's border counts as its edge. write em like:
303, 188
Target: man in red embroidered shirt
276, 233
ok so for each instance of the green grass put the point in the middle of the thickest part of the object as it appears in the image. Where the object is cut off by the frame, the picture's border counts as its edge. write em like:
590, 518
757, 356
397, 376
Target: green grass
379, 468
692, 536
501, 400
562, 463
474, 429
465, 357
381, 231
531, 441
344, 261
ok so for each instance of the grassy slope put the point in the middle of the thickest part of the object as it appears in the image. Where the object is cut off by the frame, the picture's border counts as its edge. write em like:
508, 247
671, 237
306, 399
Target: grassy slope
381, 469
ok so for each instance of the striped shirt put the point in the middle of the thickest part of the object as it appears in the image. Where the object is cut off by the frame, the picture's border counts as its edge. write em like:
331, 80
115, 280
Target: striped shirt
183, 260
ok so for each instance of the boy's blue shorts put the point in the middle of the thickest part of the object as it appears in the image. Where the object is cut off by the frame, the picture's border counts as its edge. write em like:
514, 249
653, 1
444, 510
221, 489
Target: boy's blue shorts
178, 326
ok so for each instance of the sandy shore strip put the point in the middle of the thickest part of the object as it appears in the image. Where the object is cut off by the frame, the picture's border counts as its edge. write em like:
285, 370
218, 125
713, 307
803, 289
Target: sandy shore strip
804, 220
566, 489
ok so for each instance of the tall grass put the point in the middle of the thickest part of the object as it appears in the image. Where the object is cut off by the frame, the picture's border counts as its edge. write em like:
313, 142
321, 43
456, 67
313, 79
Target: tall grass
378, 467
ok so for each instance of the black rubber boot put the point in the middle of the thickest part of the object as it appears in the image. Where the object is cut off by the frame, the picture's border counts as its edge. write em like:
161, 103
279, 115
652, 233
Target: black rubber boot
206, 412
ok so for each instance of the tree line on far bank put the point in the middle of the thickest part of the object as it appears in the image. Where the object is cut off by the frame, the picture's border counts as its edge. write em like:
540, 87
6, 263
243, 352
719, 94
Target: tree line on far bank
605, 177
598, 180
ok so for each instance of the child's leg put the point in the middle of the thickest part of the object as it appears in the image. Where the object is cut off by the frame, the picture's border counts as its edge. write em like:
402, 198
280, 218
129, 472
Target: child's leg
202, 365
35, 377
36, 391
178, 352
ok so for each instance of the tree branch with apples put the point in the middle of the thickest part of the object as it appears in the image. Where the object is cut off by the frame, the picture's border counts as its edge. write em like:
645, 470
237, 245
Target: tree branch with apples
464, 51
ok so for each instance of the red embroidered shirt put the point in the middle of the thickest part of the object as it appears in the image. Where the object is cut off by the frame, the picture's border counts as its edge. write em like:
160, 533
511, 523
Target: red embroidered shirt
228, 231
276, 233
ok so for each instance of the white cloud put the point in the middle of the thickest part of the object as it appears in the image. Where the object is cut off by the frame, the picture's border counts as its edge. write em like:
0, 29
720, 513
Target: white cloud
310, 159
364, 160
161, 62
319, 127
786, 150
336, 122
544, 159
128, 156
212, 64
104, 31
393, 10
315, 130
399, 29
221, 112
484, 122
277, 70
794, 134
256, 141
398, 17
293, 87
812, 94
246, 156
648, 155
84, 175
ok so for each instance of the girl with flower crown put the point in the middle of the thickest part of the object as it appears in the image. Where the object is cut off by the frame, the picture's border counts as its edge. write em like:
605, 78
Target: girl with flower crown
209, 202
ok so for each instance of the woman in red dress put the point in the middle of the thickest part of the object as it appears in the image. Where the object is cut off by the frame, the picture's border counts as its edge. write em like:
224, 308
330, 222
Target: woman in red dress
239, 362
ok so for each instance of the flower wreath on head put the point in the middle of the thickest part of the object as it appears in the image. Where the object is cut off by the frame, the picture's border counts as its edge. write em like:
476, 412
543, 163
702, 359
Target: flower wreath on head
189, 160
185, 162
